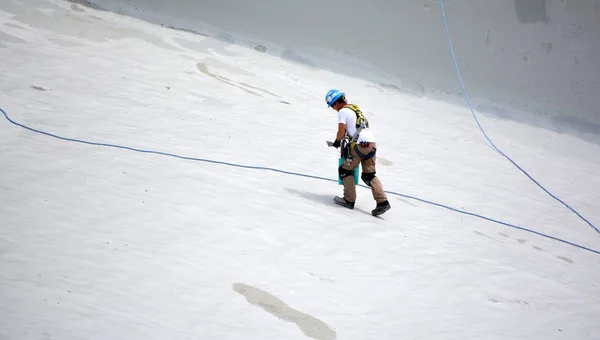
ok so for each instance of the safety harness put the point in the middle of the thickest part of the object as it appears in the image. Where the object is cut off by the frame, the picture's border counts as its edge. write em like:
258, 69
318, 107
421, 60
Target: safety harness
361, 123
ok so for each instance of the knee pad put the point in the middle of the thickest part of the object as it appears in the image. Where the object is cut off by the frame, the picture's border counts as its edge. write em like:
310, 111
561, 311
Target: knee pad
367, 177
344, 173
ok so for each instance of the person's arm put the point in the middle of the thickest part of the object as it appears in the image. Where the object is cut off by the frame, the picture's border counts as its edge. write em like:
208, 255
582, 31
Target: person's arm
341, 131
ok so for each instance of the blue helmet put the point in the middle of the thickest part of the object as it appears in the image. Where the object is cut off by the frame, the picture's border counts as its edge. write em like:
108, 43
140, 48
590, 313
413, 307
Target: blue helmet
332, 96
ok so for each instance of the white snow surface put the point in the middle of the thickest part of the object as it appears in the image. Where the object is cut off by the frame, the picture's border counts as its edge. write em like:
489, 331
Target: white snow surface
534, 56
98, 242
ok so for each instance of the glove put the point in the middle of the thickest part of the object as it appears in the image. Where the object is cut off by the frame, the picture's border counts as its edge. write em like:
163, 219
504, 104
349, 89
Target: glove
336, 144
365, 144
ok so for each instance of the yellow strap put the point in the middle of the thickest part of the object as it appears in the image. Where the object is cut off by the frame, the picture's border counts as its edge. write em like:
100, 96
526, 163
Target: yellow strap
359, 115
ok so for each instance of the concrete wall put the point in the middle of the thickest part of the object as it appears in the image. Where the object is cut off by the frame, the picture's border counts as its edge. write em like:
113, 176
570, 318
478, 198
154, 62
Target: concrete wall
537, 56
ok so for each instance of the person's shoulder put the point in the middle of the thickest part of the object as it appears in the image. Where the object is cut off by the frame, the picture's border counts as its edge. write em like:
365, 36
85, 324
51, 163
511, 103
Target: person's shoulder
346, 111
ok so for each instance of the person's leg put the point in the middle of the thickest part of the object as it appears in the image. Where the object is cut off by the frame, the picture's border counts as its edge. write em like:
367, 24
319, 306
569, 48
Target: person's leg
369, 177
346, 174
369, 170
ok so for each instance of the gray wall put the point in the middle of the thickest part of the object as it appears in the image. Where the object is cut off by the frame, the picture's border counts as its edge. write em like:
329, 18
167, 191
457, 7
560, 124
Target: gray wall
542, 57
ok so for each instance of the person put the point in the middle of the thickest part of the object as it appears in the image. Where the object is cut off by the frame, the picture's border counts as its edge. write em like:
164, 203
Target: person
359, 146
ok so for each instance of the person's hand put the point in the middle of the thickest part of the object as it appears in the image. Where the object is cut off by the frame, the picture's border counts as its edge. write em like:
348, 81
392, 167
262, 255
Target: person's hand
336, 144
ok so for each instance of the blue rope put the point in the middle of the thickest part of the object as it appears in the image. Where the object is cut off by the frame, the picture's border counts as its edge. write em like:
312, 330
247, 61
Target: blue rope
295, 174
464, 91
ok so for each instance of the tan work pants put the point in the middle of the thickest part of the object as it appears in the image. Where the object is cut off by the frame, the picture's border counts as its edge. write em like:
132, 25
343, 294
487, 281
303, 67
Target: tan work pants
368, 166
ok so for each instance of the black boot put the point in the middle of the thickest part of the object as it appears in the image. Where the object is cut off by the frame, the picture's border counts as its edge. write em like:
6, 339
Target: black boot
343, 202
381, 208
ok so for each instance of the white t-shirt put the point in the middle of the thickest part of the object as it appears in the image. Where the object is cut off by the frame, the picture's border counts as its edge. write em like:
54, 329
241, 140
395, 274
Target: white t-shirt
348, 117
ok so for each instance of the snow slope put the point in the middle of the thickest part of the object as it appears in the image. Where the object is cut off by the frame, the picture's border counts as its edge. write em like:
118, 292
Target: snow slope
119, 241
521, 59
